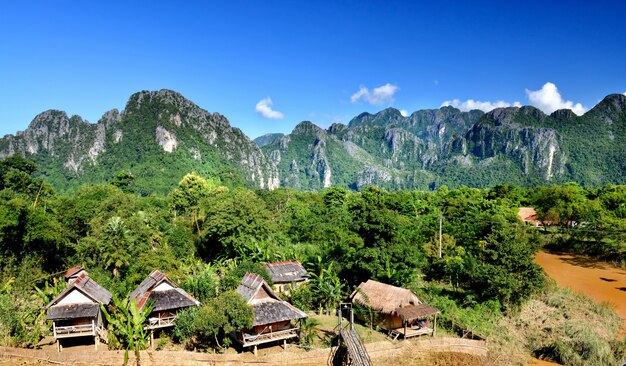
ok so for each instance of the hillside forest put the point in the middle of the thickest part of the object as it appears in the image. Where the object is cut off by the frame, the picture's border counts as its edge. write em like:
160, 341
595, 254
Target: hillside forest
205, 235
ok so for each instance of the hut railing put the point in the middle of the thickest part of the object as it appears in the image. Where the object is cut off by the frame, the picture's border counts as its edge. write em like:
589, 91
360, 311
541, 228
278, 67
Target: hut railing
249, 339
73, 330
161, 322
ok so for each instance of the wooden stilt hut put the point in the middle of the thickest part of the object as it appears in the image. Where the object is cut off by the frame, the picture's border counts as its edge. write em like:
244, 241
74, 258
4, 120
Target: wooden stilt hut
166, 297
274, 318
76, 312
287, 275
401, 311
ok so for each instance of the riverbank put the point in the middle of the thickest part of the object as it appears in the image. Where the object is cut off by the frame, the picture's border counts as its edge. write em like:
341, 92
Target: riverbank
598, 280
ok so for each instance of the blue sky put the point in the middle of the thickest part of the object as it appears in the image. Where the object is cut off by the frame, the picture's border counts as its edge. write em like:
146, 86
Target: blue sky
269, 65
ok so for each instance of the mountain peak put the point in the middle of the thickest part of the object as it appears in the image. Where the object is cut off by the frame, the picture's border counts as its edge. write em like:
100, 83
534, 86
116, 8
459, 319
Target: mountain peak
306, 127
563, 114
164, 96
611, 103
386, 116
45, 117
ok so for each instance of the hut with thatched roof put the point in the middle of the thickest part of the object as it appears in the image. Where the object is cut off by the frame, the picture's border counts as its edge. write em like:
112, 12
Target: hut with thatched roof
401, 311
287, 275
166, 297
76, 312
274, 318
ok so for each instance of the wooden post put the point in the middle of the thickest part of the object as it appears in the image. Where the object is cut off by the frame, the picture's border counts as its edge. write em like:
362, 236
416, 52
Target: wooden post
151, 338
435, 326
285, 344
58, 345
339, 319
95, 333
405, 324
351, 318
254, 350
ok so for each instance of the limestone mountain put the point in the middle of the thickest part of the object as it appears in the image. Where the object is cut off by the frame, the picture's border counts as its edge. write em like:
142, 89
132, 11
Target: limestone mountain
431, 148
267, 139
159, 137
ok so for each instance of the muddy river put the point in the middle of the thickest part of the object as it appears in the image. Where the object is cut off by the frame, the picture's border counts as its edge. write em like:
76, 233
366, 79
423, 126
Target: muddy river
597, 280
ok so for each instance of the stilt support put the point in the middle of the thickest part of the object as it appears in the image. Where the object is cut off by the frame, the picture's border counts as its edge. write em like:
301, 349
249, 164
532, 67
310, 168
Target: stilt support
254, 350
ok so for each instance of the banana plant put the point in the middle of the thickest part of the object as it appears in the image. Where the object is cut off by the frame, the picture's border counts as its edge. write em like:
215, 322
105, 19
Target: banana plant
127, 323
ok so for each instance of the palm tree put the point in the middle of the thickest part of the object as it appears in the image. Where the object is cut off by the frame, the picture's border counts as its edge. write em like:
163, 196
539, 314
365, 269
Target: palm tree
115, 254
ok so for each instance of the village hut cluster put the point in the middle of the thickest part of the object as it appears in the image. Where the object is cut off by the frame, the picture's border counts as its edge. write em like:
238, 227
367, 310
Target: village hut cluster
76, 311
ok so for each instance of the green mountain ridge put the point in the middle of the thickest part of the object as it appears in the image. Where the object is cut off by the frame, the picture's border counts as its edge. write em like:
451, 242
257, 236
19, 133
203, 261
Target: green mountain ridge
160, 136
430, 148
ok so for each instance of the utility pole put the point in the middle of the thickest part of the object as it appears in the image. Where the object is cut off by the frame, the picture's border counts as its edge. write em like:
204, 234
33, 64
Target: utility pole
440, 231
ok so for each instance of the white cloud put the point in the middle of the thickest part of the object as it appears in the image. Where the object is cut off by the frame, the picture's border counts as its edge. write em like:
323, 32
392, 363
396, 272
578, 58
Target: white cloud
624, 93
404, 112
470, 104
381, 95
548, 99
264, 108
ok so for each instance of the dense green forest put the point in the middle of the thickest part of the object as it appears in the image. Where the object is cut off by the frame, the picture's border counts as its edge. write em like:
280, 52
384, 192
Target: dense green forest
206, 235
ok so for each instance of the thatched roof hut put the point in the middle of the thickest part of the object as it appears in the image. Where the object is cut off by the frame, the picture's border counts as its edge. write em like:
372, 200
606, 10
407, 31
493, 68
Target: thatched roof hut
165, 295
287, 272
88, 294
268, 307
402, 311
75, 312
274, 318
383, 298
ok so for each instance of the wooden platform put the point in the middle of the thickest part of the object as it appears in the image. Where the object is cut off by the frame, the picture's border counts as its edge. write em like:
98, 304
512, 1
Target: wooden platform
395, 333
74, 331
248, 340
156, 323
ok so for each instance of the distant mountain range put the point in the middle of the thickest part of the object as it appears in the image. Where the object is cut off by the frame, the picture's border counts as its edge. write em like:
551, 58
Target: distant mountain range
160, 136
445, 146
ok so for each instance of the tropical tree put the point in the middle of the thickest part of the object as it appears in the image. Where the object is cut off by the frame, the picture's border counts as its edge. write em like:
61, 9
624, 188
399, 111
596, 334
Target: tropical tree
211, 323
327, 289
115, 249
308, 328
127, 326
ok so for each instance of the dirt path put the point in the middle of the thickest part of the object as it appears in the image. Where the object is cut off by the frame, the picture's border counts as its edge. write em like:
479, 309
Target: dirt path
598, 280
412, 352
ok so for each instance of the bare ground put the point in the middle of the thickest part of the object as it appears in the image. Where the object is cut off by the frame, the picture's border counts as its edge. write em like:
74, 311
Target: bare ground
431, 351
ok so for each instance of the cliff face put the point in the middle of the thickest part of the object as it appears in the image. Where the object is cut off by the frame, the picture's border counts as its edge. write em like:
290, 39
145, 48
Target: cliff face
430, 148
158, 137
